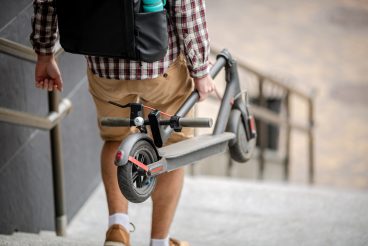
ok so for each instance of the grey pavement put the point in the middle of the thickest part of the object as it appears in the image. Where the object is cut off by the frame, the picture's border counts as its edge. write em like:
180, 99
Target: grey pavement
220, 211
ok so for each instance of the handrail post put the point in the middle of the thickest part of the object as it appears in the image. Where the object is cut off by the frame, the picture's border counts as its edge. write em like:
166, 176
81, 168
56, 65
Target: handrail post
287, 137
311, 139
57, 169
262, 129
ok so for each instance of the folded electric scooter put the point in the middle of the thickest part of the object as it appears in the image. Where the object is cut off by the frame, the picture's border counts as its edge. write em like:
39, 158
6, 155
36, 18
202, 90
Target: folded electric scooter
140, 158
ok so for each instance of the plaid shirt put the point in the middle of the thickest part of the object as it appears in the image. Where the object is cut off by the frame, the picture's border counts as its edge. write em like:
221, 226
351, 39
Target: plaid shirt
187, 34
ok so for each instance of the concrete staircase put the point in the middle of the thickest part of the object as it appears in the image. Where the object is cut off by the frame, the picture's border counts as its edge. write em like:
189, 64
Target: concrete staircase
44, 238
222, 212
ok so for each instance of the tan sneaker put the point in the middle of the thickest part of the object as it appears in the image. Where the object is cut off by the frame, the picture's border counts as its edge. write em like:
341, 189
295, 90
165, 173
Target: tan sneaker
174, 242
117, 235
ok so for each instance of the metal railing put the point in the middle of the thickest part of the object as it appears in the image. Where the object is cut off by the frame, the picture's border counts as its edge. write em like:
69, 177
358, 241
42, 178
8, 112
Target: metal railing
267, 116
57, 111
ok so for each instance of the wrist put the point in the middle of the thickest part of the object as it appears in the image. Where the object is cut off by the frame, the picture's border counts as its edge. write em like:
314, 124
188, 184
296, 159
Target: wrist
45, 58
200, 71
200, 80
201, 77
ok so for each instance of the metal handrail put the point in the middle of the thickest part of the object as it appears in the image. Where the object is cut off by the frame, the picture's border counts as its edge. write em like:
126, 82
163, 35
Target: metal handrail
22, 51
57, 111
267, 116
30, 120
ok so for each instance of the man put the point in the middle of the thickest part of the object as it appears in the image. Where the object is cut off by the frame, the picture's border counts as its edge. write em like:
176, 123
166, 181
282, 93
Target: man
164, 85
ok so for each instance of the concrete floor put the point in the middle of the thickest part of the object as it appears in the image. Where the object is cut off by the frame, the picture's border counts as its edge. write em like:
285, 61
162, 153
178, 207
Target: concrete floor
216, 211
222, 212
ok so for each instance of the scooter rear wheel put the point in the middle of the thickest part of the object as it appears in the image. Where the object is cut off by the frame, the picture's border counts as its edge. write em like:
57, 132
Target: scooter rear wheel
240, 148
135, 185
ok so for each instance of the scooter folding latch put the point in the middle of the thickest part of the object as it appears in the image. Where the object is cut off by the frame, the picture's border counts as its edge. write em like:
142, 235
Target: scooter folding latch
154, 121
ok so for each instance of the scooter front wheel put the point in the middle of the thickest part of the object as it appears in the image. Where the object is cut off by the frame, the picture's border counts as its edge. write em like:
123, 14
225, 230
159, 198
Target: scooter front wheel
133, 181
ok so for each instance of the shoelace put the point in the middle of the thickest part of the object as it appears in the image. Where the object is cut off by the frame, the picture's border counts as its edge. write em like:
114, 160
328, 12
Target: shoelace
133, 226
174, 241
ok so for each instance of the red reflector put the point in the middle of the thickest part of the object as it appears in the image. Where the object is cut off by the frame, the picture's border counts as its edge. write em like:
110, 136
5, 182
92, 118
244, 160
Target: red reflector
118, 156
252, 124
157, 169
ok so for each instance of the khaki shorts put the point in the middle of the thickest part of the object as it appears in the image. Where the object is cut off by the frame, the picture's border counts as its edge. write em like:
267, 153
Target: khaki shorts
165, 93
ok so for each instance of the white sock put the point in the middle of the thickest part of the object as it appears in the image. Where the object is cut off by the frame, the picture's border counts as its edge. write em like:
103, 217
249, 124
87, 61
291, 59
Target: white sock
160, 242
119, 218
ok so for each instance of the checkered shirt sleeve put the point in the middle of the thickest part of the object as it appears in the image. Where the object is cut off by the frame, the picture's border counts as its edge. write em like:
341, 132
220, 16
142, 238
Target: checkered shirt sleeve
44, 27
191, 26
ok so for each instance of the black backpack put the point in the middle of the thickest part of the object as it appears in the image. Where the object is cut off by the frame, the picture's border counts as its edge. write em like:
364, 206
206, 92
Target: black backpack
112, 28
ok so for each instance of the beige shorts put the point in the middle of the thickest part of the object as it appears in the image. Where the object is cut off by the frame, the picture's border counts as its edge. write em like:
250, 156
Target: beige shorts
165, 93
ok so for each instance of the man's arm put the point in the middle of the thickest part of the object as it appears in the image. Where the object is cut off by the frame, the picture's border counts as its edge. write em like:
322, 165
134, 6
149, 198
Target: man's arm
191, 27
43, 39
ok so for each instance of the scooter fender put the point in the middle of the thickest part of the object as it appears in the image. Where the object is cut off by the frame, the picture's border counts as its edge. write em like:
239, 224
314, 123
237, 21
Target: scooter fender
126, 146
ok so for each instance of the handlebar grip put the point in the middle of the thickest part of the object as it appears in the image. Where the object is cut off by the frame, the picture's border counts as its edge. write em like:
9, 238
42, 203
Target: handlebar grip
115, 121
196, 122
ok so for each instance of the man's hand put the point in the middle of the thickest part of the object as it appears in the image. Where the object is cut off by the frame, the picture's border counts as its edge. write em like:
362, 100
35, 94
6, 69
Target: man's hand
47, 74
204, 86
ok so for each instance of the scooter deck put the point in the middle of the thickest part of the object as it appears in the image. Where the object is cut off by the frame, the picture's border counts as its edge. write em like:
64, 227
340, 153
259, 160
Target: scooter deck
194, 149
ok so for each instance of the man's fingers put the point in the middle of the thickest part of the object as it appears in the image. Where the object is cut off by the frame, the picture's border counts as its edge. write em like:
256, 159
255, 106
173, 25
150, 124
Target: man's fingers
45, 84
59, 83
39, 84
202, 96
51, 85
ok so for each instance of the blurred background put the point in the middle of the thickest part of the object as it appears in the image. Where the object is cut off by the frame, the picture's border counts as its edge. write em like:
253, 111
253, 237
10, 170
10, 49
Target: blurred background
319, 48
304, 65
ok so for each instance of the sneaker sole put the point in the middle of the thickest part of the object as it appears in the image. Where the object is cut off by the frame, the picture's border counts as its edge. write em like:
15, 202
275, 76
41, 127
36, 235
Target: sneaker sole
110, 243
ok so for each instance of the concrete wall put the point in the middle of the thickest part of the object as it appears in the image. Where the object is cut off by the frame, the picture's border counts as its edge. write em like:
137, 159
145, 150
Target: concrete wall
26, 192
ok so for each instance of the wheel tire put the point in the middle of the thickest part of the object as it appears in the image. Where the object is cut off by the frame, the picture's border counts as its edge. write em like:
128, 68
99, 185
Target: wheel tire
133, 183
240, 149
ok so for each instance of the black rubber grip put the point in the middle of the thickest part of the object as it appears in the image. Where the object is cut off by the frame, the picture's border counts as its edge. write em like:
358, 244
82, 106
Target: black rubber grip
195, 122
115, 121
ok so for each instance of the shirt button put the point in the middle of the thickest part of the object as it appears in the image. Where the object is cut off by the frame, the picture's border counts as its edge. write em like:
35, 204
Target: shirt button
165, 75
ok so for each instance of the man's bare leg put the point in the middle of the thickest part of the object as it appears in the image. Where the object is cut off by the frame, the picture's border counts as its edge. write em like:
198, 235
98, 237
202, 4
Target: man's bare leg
117, 203
165, 200
165, 197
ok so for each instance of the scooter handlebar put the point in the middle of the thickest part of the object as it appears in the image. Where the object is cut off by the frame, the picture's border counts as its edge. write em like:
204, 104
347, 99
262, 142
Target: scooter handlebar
183, 122
195, 122
115, 121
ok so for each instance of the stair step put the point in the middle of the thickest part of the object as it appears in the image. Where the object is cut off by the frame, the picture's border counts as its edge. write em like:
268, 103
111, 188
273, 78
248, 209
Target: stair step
44, 238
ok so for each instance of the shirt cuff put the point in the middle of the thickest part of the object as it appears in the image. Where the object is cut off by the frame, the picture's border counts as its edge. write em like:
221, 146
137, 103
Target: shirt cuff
43, 50
200, 71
